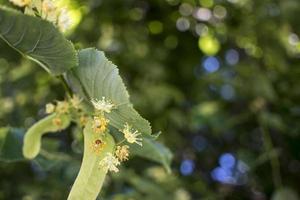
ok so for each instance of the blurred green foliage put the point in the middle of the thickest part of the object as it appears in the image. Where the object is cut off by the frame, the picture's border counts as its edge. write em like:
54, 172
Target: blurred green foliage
219, 78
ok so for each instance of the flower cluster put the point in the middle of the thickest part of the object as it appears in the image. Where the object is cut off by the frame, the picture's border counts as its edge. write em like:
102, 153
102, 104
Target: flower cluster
61, 107
103, 105
65, 107
111, 161
47, 10
122, 152
76, 102
100, 124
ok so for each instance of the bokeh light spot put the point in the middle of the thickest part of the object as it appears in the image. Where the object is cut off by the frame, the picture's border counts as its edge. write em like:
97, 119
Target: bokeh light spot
209, 45
222, 175
227, 160
183, 24
186, 9
136, 14
187, 167
155, 27
208, 108
219, 12
74, 12
232, 57
227, 92
207, 3
203, 14
201, 29
293, 39
211, 64
230, 171
173, 2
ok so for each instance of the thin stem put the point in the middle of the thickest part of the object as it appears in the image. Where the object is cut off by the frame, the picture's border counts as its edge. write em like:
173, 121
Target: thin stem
274, 161
66, 86
121, 142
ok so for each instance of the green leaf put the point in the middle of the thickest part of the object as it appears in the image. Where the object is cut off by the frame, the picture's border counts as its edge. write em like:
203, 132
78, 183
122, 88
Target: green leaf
146, 186
33, 137
37, 39
11, 144
90, 178
97, 77
154, 151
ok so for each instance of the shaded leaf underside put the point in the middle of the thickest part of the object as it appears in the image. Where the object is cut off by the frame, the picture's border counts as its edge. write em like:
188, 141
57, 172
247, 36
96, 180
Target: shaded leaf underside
154, 151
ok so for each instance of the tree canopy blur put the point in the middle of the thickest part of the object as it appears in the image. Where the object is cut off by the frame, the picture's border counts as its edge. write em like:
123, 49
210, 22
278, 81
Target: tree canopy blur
219, 79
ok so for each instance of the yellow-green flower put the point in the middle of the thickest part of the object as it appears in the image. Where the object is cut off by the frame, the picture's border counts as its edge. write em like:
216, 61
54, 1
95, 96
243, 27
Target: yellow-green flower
110, 163
100, 124
122, 152
103, 105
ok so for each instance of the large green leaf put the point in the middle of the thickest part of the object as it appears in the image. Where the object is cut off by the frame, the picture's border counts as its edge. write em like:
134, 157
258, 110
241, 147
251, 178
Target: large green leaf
33, 137
37, 39
90, 178
97, 77
154, 151
11, 144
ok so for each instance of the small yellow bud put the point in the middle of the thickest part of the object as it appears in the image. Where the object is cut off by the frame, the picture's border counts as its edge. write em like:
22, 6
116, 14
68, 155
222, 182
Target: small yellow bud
83, 120
100, 124
57, 122
50, 108
110, 162
75, 102
62, 107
